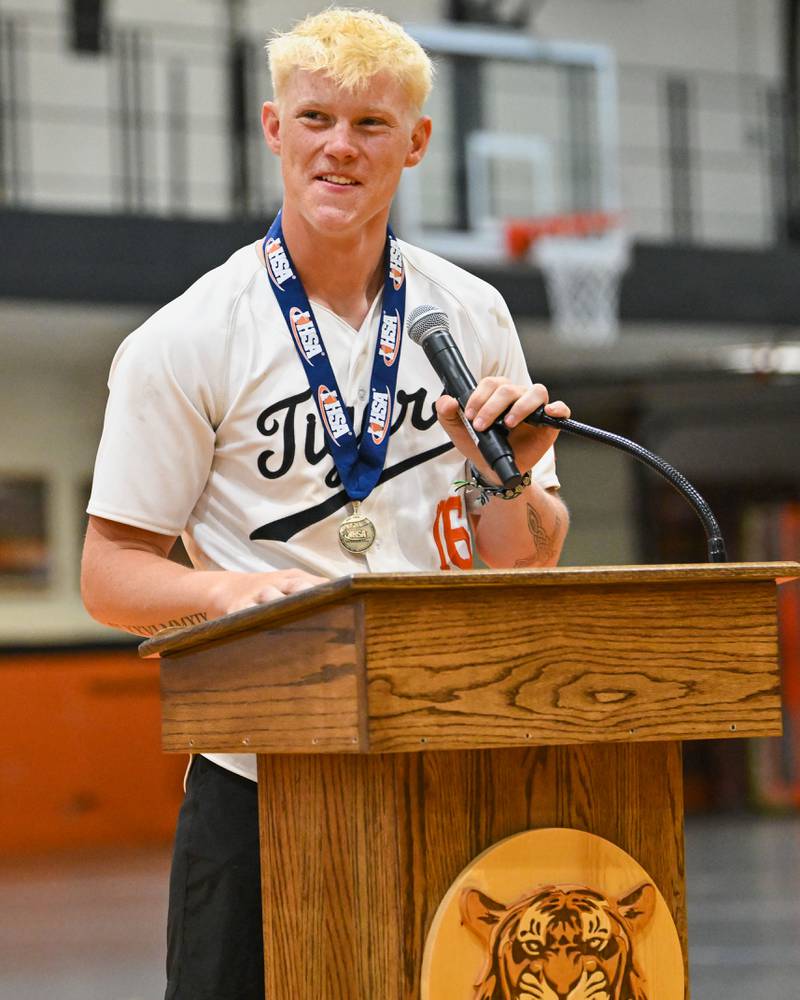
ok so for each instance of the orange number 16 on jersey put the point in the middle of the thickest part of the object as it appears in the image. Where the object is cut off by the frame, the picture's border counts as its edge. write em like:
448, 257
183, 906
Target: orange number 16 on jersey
451, 535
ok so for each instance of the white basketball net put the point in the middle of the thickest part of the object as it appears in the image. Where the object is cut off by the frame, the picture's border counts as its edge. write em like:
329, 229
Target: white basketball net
582, 276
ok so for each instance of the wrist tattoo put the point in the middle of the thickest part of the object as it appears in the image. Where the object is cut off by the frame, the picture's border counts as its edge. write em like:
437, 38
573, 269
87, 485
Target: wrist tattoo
543, 544
147, 631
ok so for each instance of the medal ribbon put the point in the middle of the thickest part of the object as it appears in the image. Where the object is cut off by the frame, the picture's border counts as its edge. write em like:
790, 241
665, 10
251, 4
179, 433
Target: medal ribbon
358, 462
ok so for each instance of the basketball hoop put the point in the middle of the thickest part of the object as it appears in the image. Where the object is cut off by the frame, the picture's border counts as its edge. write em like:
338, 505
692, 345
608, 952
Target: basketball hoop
582, 257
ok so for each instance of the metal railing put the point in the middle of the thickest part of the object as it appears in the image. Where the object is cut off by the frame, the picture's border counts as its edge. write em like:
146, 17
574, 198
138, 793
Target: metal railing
145, 127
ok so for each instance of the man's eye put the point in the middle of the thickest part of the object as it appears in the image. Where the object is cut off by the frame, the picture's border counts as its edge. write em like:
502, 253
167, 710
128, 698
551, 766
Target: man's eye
372, 121
314, 116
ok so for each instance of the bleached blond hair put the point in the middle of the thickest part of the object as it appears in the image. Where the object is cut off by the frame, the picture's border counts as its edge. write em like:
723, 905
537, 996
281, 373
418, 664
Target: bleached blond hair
351, 46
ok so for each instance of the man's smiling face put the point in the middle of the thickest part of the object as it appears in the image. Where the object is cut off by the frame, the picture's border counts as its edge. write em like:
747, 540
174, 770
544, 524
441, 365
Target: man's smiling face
342, 151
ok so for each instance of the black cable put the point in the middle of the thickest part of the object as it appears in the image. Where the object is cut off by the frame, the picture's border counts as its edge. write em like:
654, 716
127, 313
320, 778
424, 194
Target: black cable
715, 541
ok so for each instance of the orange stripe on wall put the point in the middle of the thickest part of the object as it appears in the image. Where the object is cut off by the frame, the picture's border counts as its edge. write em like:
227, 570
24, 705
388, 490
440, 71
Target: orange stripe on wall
789, 610
80, 758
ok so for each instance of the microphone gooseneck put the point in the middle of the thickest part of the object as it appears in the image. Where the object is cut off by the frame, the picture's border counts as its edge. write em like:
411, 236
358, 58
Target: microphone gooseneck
430, 329
714, 539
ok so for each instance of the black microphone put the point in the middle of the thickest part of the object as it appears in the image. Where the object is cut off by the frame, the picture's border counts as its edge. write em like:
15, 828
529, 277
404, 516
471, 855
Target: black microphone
430, 328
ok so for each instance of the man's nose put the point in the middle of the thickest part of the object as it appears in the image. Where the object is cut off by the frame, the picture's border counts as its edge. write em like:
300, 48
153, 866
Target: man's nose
341, 142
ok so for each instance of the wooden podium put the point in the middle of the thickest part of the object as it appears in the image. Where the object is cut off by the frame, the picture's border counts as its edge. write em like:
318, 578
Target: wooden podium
538, 698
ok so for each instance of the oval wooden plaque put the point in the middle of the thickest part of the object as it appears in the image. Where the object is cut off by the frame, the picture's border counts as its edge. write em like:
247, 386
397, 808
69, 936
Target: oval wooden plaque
553, 914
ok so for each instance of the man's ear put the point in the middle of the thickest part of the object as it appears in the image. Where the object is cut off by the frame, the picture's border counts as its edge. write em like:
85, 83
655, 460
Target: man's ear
420, 137
271, 125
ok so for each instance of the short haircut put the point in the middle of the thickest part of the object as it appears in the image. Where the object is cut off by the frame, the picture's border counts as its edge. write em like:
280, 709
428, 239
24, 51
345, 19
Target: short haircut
351, 46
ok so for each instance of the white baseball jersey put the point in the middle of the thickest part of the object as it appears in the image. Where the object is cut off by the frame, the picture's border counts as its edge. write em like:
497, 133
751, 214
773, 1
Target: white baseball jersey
211, 431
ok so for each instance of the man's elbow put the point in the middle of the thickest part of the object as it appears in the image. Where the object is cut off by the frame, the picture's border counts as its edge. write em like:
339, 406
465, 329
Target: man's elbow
96, 570
92, 591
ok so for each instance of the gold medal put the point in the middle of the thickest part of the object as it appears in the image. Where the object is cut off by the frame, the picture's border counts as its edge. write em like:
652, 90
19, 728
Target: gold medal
356, 532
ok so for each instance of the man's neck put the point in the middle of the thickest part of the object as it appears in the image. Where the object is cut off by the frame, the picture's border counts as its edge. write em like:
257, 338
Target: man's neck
343, 273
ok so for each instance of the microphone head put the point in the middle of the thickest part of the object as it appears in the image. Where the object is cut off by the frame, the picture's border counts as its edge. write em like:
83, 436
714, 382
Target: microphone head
425, 320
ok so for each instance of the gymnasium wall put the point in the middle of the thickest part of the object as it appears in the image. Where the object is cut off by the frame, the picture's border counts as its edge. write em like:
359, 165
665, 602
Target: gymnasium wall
143, 127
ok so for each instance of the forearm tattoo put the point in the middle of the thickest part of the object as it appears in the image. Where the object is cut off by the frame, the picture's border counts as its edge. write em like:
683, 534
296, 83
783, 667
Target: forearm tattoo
544, 546
146, 631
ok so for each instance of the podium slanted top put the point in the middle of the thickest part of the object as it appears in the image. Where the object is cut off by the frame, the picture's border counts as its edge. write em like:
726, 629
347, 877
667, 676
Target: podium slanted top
402, 662
262, 616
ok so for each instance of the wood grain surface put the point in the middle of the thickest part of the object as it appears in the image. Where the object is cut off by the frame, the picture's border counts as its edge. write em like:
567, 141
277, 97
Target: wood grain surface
358, 851
487, 666
297, 605
298, 687
629, 661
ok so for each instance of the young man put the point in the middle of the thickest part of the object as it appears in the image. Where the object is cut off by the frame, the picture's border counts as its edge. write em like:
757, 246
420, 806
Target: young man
228, 423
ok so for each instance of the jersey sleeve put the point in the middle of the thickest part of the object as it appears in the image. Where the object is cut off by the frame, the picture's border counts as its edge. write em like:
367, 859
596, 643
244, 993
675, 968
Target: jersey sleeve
157, 444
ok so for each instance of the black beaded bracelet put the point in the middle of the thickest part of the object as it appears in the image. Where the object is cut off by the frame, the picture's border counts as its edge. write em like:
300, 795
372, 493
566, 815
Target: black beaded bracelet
485, 490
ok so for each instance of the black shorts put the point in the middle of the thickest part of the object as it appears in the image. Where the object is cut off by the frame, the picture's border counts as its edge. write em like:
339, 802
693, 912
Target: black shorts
214, 937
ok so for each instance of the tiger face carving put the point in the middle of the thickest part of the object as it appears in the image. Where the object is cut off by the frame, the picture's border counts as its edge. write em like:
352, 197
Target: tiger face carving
563, 942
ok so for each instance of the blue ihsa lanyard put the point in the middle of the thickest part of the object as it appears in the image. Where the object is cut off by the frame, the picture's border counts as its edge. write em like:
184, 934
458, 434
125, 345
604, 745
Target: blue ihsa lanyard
358, 462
